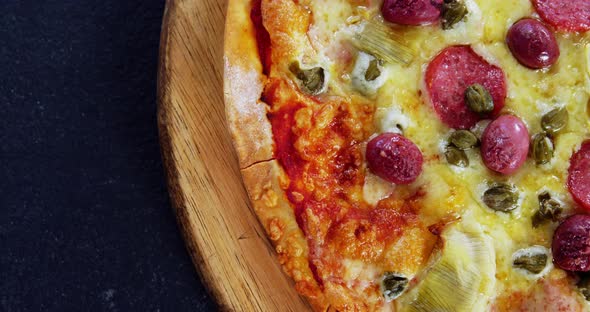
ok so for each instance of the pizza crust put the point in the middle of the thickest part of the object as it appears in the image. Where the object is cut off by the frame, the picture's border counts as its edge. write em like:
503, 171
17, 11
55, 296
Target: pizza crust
243, 83
265, 182
252, 136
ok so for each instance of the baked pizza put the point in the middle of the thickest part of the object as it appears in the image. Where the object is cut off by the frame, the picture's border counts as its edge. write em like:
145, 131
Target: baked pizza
417, 155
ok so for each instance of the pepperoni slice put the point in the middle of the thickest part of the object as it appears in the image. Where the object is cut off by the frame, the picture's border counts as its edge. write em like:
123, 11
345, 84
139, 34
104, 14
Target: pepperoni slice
394, 158
578, 180
571, 244
411, 12
565, 15
450, 73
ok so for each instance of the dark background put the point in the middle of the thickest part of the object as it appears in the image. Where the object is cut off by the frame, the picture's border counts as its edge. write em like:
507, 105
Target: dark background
85, 219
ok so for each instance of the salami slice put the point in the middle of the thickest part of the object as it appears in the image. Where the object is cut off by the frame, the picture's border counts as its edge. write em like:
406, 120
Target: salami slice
450, 73
565, 15
394, 158
578, 180
571, 244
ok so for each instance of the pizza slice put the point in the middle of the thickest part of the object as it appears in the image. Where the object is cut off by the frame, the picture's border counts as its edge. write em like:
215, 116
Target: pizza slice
422, 155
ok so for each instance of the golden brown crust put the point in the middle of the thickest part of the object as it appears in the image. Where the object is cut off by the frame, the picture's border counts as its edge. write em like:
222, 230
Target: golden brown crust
263, 182
252, 135
243, 81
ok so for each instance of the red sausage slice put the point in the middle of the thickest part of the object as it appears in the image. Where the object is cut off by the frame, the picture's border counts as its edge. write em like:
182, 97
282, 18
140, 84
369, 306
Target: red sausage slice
394, 158
450, 73
532, 44
505, 144
571, 244
411, 12
578, 180
565, 15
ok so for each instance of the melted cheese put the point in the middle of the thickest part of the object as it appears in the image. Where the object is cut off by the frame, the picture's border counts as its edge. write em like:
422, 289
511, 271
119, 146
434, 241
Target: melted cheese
401, 101
376, 189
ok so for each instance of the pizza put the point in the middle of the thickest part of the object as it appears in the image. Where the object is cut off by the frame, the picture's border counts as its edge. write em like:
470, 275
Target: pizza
417, 155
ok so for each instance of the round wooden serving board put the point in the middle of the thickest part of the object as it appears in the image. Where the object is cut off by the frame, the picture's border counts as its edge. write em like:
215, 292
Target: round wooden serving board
227, 245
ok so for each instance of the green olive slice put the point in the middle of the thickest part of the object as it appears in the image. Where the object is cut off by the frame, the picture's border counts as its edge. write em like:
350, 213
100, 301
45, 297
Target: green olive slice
479, 99
312, 80
373, 71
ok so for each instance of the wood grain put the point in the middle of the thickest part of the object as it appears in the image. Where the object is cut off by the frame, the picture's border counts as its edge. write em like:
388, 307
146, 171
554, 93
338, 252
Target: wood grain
221, 231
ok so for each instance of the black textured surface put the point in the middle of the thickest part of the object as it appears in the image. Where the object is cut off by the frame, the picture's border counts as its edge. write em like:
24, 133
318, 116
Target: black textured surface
85, 220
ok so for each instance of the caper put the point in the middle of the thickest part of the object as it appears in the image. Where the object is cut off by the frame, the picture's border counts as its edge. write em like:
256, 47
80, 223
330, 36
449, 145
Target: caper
549, 209
534, 263
584, 285
463, 139
479, 99
555, 120
312, 80
538, 219
393, 285
501, 197
456, 157
453, 11
542, 148
373, 71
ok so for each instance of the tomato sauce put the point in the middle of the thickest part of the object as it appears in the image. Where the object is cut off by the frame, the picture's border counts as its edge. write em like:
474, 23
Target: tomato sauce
262, 36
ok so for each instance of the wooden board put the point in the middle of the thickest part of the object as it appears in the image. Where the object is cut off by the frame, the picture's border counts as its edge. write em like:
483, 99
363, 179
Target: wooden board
227, 245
